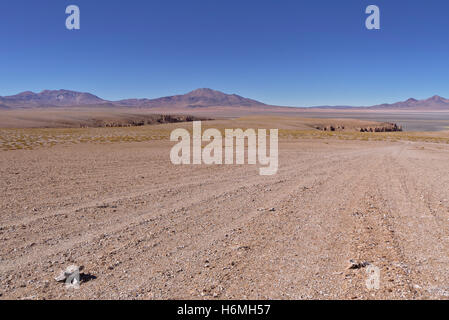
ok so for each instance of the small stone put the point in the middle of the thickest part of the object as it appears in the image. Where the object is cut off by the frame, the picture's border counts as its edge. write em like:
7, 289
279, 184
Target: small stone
357, 265
68, 272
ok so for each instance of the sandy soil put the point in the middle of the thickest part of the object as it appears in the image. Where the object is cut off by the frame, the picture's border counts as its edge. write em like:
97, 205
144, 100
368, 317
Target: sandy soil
146, 229
91, 116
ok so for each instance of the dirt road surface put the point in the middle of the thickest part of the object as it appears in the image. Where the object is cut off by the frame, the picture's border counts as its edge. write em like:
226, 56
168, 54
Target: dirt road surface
146, 229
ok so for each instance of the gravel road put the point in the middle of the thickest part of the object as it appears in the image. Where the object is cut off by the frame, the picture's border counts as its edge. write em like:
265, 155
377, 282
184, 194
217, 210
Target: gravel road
146, 229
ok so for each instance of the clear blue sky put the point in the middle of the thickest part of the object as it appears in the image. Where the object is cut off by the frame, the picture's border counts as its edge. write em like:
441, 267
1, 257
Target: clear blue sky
300, 53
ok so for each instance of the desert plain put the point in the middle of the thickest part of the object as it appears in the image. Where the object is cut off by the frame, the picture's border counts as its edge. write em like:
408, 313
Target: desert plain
109, 199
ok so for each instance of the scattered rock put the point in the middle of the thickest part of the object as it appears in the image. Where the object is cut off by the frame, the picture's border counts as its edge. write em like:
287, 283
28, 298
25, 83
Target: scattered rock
358, 214
386, 127
357, 265
67, 273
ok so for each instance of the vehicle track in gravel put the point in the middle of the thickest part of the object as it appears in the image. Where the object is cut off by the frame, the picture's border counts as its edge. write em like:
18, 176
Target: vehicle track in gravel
208, 232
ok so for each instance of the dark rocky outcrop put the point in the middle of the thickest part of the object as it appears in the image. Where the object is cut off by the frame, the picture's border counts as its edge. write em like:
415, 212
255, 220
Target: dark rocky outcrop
381, 127
387, 127
142, 121
330, 128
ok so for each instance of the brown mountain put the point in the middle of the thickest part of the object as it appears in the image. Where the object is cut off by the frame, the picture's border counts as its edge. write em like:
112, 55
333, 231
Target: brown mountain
199, 98
435, 103
48, 98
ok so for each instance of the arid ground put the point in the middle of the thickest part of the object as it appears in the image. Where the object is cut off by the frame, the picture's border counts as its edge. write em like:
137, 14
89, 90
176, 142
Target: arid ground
110, 199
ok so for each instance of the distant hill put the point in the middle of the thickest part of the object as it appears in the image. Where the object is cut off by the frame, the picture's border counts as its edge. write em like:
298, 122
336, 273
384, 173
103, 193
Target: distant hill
435, 103
57, 98
50, 98
199, 100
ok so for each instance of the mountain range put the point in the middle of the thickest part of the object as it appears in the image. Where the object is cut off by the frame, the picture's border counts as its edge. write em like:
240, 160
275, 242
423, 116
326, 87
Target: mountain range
50, 98
197, 99
433, 103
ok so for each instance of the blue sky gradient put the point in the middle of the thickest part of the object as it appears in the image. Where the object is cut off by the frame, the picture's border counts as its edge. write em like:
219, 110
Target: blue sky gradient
298, 53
